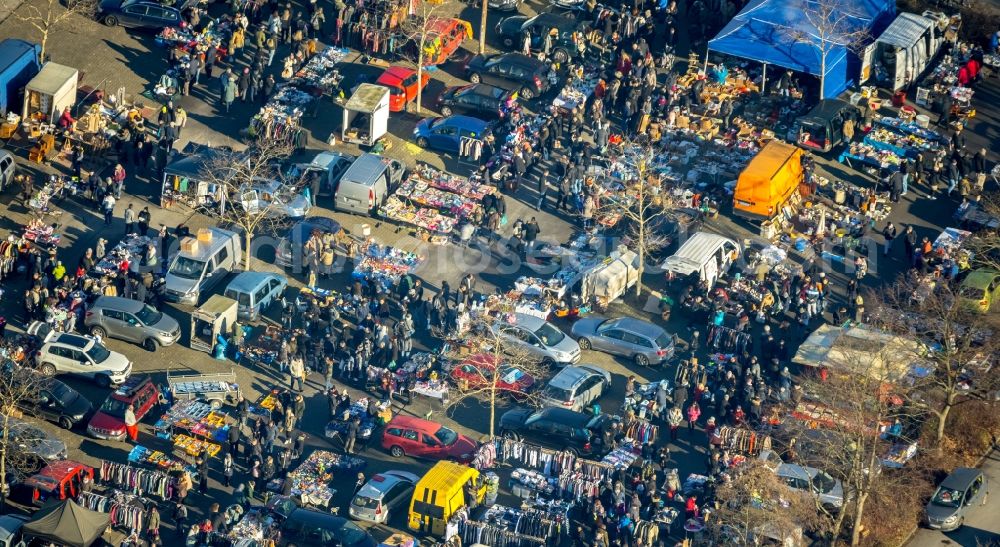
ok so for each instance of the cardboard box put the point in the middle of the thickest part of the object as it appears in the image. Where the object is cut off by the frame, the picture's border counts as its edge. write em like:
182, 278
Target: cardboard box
189, 245
204, 235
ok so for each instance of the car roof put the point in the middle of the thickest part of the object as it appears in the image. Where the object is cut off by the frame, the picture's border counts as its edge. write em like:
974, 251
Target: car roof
323, 224
118, 303
378, 485
248, 281
639, 326
326, 159
980, 279
9, 524
54, 472
566, 416
570, 376
518, 58
486, 90
960, 478
130, 387
394, 75
550, 19
73, 340
413, 423
315, 518
529, 322
465, 122
795, 470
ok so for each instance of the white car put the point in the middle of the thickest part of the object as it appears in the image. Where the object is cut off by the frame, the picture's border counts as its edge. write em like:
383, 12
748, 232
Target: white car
385, 492
66, 353
279, 200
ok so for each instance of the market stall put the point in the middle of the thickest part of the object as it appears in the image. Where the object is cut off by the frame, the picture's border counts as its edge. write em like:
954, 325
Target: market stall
310, 481
384, 265
129, 251
366, 115
212, 321
51, 91
186, 179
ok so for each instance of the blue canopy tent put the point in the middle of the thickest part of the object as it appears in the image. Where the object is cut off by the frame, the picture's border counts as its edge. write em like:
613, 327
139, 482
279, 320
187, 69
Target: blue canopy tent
779, 32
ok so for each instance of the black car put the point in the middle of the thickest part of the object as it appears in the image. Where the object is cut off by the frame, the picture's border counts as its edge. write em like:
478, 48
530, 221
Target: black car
139, 14
305, 527
479, 100
513, 71
556, 428
50, 399
512, 30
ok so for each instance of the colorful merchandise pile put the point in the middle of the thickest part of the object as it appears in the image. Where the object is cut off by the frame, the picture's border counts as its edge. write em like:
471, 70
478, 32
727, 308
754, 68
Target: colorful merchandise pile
869, 156
422, 193
54, 188
278, 120
41, 234
385, 265
130, 248
902, 138
320, 75
257, 526
311, 479
426, 219
576, 92
194, 446
194, 416
359, 410
156, 459
452, 183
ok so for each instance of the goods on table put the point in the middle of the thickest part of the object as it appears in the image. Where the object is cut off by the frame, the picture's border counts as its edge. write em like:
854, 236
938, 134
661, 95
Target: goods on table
422, 193
576, 92
536, 305
320, 73
437, 389
621, 457
194, 446
898, 454
422, 217
359, 410
384, 264
452, 183
311, 478
129, 249
55, 187
868, 154
196, 417
154, 458
255, 526
40, 233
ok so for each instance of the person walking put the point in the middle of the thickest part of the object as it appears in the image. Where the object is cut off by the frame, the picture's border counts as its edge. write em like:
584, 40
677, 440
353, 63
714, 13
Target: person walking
143, 220
118, 177
153, 525
227, 469
180, 518
228, 95
693, 413
131, 423
297, 372
531, 231
910, 243
352, 435
129, 219
889, 233
674, 419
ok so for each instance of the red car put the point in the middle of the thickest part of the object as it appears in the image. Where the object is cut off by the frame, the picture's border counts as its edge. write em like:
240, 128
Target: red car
478, 369
402, 84
58, 481
444, 36
406, 435
109, 421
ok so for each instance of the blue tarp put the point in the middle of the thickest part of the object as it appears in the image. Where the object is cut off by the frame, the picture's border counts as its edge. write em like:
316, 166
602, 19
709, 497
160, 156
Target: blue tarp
766, 30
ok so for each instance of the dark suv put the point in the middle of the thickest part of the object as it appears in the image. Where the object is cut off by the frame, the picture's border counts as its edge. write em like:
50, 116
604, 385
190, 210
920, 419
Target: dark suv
555, 428
51, 400
478, 100
512, 30
109, 420
513, 71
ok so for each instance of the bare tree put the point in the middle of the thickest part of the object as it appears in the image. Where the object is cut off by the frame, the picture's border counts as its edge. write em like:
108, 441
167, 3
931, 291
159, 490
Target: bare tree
17, 387
46, 15
641, 205
985, 244
826, 26
419, 28
241, 200
956, 344
862, 393
489, 367
755, 505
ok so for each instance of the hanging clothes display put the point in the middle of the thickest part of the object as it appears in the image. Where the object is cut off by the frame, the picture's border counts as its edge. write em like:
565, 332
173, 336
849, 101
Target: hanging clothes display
126, 511
137, 481
728, 340
742, 440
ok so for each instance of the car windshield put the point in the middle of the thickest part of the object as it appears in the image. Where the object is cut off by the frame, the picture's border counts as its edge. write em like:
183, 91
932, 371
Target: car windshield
663, 341
557, 393
149, 315
595, 423
446, 436
436, 122
549, 335
364, 503
974, 293
114, 407
946, 497
98, 353
823, 483
62, 393
188, 268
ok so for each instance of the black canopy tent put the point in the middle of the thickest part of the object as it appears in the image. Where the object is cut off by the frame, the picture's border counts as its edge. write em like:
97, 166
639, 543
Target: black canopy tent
67, 523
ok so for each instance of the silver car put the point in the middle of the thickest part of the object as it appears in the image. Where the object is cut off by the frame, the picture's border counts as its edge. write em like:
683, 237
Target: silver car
383, 493
643, 342
816, 482
279, 200
576, 387
132, 321
539, 338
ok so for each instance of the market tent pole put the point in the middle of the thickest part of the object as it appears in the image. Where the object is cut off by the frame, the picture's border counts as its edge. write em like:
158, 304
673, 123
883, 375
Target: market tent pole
763, 80
704, 70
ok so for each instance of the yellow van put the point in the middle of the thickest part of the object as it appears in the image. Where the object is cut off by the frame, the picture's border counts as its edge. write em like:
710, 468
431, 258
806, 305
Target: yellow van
439, 494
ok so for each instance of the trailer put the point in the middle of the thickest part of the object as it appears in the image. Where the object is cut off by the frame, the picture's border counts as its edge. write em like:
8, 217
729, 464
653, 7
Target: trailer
215, 389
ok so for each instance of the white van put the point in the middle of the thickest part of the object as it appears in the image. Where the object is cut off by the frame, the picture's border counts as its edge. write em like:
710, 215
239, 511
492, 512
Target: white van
902, 53
195, 270
370, 179
708, 255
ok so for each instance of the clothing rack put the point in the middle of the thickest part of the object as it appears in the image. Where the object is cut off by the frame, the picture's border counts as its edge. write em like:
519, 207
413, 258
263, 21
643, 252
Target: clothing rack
530, 456
642, 431
727, 339
472, 532
743, 440
136, 480
647, 532
125, 510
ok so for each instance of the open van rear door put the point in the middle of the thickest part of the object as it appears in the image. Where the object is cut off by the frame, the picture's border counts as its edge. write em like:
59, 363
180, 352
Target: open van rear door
867, 57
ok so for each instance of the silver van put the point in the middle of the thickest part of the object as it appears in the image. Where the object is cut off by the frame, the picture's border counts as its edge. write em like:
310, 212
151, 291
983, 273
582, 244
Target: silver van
195, 271
708, 255
131, 320
254, 292
8, 167
366, 183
